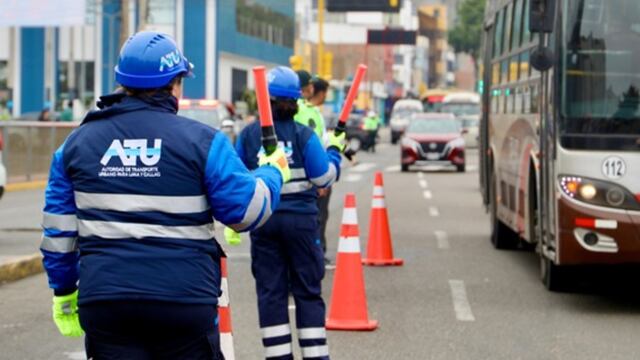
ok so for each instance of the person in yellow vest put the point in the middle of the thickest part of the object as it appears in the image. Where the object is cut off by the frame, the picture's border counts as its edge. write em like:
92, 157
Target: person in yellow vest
371, 125
308, 113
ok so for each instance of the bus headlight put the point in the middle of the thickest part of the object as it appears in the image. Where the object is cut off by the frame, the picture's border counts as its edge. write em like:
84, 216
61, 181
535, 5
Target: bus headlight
598, 192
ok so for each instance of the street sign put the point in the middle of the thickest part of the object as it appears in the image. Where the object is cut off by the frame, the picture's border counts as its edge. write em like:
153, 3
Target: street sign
362, 5
391, 37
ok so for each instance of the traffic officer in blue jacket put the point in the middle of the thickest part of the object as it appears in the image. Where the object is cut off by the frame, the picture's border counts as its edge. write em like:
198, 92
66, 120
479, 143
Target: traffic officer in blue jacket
129, 211
286, 252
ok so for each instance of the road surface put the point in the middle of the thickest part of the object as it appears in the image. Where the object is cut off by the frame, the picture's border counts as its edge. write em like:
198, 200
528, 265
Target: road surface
455, 297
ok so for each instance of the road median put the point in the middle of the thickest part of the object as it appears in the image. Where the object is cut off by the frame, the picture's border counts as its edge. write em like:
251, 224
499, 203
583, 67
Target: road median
20, 267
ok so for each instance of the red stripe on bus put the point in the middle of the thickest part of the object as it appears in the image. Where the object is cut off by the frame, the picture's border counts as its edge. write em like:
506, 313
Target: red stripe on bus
584, 222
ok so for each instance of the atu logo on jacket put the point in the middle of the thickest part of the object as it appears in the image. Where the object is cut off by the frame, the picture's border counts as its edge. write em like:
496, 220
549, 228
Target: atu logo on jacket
130, 150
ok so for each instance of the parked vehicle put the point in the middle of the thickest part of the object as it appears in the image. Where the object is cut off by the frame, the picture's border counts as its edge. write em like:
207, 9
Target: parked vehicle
211, 112
433, 138
402, 112
3, 170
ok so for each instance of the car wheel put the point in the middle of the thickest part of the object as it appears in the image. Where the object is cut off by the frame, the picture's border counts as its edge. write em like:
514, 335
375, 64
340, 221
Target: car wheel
404, 167
355, 144
502, 237
461, 168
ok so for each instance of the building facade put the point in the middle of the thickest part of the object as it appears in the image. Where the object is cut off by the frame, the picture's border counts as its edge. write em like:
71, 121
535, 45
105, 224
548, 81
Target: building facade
47, 65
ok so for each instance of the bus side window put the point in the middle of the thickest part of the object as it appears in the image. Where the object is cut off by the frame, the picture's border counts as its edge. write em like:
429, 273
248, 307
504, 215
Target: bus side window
534, 99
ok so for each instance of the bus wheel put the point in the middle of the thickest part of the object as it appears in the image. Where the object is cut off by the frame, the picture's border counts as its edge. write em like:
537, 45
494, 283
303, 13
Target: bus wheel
553, 277
502, 237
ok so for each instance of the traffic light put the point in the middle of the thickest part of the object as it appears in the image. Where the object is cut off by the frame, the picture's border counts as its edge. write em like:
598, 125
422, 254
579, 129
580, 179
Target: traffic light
327, 65
296, 62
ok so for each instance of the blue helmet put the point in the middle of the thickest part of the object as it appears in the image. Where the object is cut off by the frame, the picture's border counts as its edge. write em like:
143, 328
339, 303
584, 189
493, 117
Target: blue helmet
150, 60
283, 82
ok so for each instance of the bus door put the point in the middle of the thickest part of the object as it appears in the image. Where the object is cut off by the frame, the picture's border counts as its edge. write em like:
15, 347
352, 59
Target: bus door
485, 171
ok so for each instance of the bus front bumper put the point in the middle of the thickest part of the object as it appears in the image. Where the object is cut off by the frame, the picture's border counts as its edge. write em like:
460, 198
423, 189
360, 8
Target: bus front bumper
591, 235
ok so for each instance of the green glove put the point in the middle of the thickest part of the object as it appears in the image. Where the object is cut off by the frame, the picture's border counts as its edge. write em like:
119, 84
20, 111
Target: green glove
65, 315
232, 237
279, 161
337, 141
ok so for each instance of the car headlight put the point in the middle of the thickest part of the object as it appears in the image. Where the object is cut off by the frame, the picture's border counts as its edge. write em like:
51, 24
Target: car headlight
598, 192
410, 143
453, 144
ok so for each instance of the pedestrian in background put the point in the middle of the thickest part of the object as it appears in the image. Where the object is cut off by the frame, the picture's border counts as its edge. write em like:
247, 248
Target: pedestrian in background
371, 125
286, 254
45, 114
67, 113
128, 243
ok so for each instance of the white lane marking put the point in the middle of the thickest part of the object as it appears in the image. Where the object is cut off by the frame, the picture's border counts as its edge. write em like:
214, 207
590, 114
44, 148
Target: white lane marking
392, 168
363, 167
353, 178
76, 355
382, 146
427, 194
420, 175
433, 211
423, 183
443, 240
460, 301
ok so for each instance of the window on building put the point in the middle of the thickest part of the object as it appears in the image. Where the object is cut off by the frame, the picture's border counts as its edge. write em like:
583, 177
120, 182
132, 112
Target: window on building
516, 36
4, 75
238, 83
161, 12
265, 23
68, 90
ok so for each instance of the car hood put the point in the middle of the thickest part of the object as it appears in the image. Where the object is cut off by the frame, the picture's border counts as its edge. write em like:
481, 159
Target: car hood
432, 137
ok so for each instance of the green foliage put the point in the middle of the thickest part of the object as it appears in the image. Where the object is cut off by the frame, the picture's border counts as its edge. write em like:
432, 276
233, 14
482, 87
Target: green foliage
466, 36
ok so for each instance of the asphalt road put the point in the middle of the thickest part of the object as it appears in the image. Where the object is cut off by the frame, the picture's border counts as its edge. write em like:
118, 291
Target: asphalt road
455, 297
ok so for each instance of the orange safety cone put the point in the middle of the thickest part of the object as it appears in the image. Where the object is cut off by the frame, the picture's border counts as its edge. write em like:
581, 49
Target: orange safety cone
379, 248
224, 315
348, 308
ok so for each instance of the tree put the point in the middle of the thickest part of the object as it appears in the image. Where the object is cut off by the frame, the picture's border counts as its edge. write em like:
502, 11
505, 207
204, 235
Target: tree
467, 33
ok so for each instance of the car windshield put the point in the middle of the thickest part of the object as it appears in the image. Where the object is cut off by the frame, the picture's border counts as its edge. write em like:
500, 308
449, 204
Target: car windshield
461, 108
467, 123
206, 116
433, 126
405, 112
600, 73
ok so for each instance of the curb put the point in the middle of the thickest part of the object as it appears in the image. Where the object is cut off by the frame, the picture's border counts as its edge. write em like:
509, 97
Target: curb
29, 185
21, 267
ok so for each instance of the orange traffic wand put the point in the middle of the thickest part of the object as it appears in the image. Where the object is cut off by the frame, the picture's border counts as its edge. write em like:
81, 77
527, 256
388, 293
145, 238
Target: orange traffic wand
348, 308
269, 139
379, 248
224, 315
351, 97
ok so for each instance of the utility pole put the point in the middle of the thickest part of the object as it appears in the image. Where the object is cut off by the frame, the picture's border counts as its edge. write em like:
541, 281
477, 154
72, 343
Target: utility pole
320, 67
124, 21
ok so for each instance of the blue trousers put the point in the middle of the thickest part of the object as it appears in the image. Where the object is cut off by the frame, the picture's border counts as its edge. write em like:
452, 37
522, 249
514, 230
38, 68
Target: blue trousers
287, 257
150, 330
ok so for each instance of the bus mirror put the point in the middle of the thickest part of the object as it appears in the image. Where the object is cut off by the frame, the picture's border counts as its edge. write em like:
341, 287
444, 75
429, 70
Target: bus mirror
542, 59
542, 16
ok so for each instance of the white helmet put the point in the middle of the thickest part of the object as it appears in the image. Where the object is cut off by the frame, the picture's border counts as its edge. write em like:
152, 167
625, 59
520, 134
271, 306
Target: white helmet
371, 113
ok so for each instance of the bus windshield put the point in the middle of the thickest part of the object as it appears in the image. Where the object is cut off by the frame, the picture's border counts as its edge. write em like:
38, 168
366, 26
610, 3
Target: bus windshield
601, 74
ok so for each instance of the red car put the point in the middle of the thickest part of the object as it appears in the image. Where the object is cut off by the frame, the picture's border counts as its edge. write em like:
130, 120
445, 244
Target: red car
433, 139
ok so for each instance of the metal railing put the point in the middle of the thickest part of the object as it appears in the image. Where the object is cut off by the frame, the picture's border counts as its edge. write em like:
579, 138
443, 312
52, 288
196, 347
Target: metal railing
29, 146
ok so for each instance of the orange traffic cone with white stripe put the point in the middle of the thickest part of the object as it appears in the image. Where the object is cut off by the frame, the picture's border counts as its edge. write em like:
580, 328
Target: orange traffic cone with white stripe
224, 315
348, 308
379, 248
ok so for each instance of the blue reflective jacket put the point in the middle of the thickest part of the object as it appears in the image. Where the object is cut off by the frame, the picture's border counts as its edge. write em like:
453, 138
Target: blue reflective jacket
311, 165
131, 199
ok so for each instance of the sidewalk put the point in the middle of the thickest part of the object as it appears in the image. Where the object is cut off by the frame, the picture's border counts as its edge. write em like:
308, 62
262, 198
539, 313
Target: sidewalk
20, 217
